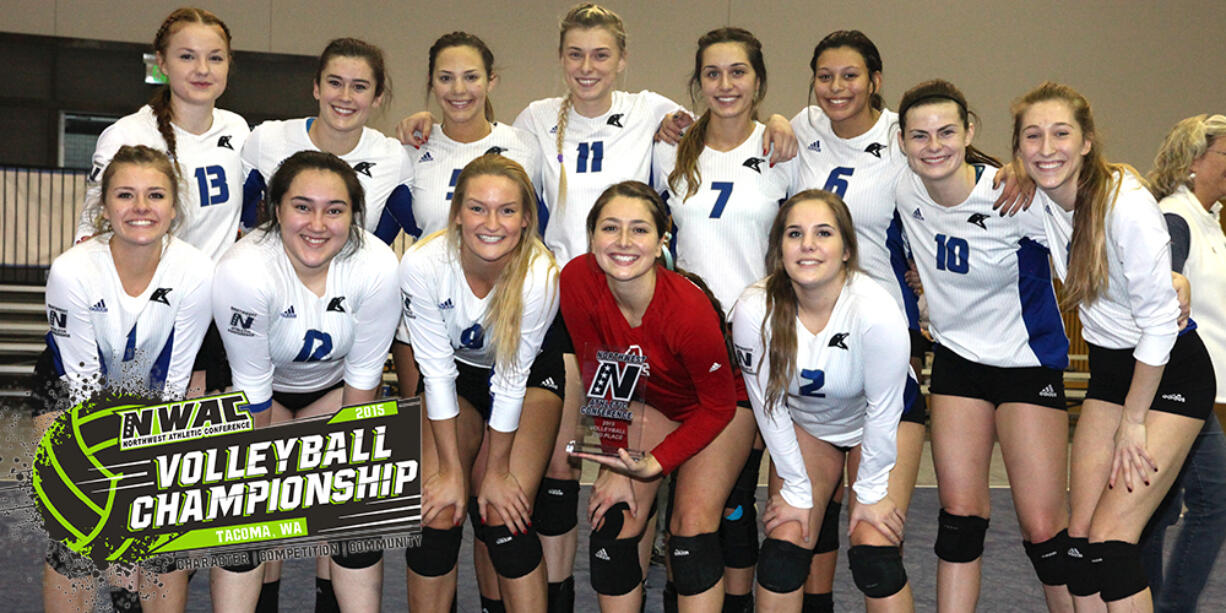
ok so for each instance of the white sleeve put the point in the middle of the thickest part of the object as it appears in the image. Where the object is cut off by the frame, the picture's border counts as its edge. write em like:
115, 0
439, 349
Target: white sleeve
191, 322
662, 105
242, 311
431, 343
884, 383
663, 159
72, 339
540, 307
526, 121
1140, 240
374, 323
776, 428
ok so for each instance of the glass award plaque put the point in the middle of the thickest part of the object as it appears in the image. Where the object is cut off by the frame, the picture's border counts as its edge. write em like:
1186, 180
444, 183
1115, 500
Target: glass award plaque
613, 412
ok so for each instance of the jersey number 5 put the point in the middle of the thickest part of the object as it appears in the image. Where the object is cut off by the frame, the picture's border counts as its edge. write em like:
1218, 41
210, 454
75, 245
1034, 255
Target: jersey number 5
211, 181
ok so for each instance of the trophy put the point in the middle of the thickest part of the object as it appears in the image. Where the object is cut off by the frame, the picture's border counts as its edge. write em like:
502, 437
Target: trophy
613, 412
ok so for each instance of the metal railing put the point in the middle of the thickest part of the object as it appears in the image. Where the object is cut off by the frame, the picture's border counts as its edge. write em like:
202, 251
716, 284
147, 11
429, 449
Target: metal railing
39, 208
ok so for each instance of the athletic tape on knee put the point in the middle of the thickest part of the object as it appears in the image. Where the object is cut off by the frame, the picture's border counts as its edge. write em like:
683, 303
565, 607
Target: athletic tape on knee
513, 555
561, 596
1082, 580
696, 562
782, 566
556, 511
438, 552
1049, 558
877, 570
358, 560
828, 535
1120, 573
960, 537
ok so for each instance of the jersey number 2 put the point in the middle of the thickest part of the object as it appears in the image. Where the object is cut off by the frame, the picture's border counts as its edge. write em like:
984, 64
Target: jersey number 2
316, 346
816, 379
211, 181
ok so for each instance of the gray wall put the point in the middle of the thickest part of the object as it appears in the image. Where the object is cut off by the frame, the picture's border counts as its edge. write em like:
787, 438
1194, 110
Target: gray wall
1143, 64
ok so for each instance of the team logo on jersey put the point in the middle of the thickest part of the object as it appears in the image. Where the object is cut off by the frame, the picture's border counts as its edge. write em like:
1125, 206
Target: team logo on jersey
159, 295
917, 214
978, 219
289, 313
408, 307
495, 150
240, 322
554, 129
446, 304
224, 141
744, 357
337, 304
616, 120
426, 157
94, 173
364, 168
875, 149
99, 307
815, 146
754, 163
57, 319
837, 340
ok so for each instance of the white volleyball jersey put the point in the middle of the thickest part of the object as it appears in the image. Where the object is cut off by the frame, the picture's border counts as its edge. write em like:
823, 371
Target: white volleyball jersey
381, 164
861, 170
847, 388
448, 324
211, 187
437, 166
986, 278
599, 151
102, 337
280, 336
1205, 269
722, 229
1138, 309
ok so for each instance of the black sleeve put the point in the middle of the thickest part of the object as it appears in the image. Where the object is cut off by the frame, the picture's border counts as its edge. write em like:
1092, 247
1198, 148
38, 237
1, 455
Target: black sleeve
1181, 239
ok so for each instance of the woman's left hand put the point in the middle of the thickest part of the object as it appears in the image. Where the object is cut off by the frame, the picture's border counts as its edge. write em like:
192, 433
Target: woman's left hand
644, 469
508, 499
1131, 456
781, 138
673, 127
1017, 193
1183, 291
883, 515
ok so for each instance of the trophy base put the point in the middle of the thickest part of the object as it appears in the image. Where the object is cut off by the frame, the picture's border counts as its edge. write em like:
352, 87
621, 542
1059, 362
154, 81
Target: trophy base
575, 446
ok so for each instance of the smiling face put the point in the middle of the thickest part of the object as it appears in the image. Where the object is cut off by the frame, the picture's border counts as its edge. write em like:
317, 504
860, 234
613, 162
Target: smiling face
591, 61
139, 204
729, 83
314, 217
460, 84
346, 93
1052, 146
196, 63
625, 240
491, 220
843, 87
935, 140
814, 254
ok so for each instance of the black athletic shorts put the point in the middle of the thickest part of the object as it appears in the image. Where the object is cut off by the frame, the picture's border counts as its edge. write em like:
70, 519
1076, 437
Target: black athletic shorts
211, 358
296, 401
920, 344
1188, 384
953, 375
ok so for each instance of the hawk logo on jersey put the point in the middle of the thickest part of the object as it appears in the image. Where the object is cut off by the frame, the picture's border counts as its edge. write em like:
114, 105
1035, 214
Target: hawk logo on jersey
917, 214
495, 150
337, 304
754, 163
364, 168
159, 295
99, 307
875, 149
837, 340
815, 146
616, 120
426, 157
224, 141
978, 219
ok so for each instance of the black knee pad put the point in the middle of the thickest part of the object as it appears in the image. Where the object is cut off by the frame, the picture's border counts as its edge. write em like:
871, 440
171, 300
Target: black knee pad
270, 597
818, 603
614, 564
561, 596
738, 536
960, 537
877, 571
358, 560
738, 603
437, 553
696, 562
243, 567
1049, 558
325, 597
492, 606
513, 555
670, 597
556, 511
1120, 573
782, 566
1082, 580
828, 535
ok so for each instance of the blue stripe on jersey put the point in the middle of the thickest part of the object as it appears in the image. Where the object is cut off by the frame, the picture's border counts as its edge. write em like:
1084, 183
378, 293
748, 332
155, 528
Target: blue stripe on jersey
542, 214
898, 262
260, 407
101, 362
56, 359
1188, 328
129, 348
161, 366
253, 194
397, 214
1039, 310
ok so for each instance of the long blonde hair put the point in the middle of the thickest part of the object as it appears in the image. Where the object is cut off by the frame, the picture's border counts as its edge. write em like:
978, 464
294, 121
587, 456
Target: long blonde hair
1187, 141
583, 16
505, 314
1098, 185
